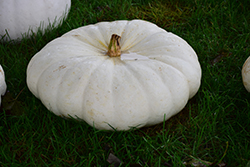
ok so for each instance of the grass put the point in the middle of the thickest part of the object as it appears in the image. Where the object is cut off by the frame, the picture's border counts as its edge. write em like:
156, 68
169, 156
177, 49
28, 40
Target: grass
214, 126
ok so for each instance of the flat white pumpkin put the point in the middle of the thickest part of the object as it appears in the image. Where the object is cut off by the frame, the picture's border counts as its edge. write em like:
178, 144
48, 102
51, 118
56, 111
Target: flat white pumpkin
20, 17
2, 83
246, 74
155, 75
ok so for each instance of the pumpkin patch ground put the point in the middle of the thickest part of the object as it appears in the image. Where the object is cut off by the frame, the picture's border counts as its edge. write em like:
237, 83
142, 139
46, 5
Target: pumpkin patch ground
211, 128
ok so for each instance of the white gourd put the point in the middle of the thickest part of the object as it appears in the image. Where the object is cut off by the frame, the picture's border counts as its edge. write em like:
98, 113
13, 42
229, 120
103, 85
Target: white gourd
24, 17
246, 74
3, 86
137, 78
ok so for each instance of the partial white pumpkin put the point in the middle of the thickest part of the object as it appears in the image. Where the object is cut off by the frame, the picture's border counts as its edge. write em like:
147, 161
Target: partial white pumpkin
246, 74
23, 17
3, 85
152, 80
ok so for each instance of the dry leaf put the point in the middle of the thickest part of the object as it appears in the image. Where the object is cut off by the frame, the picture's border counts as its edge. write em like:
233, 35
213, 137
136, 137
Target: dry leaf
248, 164
11, 105
112, 159
198, 163
220, 57
201, 163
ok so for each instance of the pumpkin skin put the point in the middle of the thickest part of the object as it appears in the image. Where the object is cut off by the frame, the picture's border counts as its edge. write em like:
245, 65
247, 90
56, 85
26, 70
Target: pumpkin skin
246, 74
155, 75
24, 17
3, 86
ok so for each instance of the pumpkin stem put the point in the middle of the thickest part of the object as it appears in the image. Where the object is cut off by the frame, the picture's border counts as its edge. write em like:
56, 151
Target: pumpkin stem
114, 49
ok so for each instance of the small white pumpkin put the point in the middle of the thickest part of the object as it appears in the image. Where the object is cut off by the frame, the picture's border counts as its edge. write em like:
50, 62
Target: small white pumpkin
246, 74
3, 86
132, 80
19, 17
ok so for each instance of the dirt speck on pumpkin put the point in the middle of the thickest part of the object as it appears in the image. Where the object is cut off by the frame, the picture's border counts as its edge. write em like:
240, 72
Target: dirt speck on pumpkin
60, 68
91, 113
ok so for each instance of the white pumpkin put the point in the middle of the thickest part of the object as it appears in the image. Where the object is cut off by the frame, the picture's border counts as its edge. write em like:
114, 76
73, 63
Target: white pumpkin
20, 17
134, 81
246, 74
2, 83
